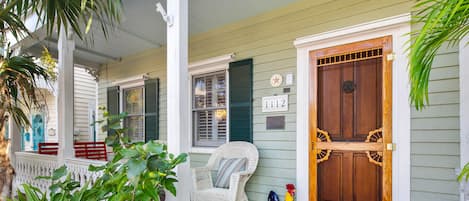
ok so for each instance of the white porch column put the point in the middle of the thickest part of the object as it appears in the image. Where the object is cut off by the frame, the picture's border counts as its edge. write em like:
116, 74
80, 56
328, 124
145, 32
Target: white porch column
64, 96
177, 90
15, 140
464, 110
14, 131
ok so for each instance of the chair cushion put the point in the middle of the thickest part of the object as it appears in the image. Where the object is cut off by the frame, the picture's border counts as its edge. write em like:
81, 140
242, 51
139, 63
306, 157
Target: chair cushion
227, 167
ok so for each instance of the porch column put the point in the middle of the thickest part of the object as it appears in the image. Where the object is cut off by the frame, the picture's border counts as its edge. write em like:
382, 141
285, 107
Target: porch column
15, 140
177, 90
14, 132
64, 98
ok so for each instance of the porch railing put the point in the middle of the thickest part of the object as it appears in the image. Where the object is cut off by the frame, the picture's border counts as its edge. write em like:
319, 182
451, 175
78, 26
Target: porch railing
31, 165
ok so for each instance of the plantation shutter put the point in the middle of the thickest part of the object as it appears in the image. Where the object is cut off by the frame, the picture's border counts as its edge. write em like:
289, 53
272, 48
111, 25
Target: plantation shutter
152, 109
112, 104
240, 115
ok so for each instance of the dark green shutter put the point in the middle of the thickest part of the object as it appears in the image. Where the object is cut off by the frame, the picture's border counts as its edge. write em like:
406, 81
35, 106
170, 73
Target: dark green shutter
112, 104
240, 100
152, 93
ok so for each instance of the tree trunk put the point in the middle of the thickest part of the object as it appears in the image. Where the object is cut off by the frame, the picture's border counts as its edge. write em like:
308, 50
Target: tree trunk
7, 171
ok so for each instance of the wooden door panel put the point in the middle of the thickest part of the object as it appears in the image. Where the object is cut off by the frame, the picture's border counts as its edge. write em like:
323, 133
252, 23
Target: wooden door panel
349, 176
330, 92
330, 181
366, 179
368, 97
350, 116
348, 102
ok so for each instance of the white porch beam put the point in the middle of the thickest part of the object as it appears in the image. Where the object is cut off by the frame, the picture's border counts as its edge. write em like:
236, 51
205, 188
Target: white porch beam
177, 89
64, 96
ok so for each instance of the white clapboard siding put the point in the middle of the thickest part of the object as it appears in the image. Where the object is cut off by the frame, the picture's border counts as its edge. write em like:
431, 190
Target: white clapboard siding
85, 93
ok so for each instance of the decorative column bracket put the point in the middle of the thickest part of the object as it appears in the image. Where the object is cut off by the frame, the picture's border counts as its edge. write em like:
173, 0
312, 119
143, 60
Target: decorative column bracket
93, 72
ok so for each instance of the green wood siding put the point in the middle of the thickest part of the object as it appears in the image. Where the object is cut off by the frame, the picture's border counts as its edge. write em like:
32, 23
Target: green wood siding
435, 134
268, 39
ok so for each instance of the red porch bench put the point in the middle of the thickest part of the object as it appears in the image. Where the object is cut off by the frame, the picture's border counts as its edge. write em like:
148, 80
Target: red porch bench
88, 150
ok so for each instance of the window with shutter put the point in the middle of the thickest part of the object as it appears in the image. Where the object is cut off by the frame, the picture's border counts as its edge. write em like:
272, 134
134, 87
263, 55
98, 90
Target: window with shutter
140, 100
209, 112
133, 105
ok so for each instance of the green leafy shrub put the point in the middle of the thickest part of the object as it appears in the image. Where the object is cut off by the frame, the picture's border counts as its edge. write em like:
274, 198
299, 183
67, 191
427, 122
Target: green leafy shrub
139, 171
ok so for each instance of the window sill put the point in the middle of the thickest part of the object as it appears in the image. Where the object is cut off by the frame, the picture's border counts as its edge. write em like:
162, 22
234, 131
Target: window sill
202, 150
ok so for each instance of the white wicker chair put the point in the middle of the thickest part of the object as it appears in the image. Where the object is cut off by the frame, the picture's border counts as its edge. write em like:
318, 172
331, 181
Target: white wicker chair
202, 176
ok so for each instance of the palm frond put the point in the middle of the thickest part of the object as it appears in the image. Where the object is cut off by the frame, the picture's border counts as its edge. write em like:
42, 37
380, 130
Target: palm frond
79, 15
19, 91
443, 21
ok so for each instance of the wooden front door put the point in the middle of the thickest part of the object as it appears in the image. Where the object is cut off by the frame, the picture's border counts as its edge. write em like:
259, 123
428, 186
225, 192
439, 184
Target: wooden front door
351, 137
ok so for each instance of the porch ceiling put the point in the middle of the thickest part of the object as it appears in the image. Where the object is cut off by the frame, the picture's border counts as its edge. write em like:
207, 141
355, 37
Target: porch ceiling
143, 28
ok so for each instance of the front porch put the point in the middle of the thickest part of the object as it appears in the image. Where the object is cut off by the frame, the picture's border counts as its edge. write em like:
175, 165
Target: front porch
187, 65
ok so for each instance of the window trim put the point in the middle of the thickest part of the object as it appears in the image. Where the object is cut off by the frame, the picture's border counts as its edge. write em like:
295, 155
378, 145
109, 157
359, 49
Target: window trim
121, 106
133, 82
213, 108
207, 66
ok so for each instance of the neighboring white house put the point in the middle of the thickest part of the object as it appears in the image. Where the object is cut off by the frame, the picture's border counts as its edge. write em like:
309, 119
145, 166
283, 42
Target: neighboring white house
44, 119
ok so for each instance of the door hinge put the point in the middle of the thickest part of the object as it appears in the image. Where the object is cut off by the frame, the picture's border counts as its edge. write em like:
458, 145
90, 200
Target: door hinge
390, 56
391, 147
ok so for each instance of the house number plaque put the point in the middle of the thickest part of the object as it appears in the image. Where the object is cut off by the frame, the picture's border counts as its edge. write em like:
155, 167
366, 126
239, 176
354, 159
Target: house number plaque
275, 103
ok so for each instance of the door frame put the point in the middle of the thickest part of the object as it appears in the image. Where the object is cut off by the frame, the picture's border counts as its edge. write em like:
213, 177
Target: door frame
397, 27
386, 44
44, 124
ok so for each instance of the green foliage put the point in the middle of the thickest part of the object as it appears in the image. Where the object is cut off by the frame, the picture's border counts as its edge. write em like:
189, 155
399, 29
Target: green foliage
60, 189
139, 171
49, 63
443, 21
79, 15
19, 76
464, 173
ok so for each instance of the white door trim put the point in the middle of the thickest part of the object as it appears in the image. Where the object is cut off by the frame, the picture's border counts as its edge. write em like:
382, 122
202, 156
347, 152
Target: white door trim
397, 27
464, 102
